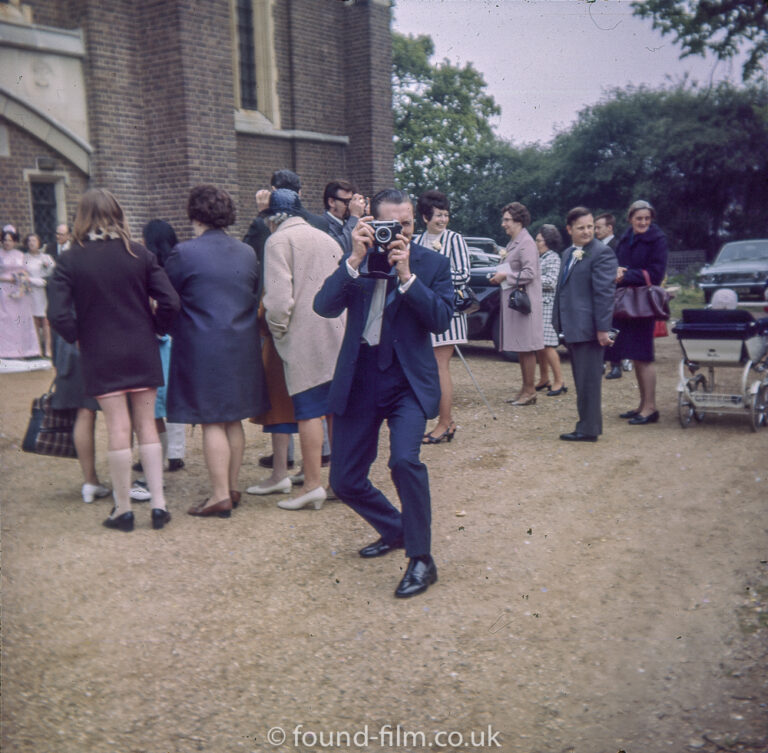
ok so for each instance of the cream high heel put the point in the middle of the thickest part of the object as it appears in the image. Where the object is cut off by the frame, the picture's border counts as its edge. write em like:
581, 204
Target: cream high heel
316, 497
283, 486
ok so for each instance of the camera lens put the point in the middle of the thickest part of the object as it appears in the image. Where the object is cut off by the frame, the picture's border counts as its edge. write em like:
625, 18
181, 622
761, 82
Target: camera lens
383, 235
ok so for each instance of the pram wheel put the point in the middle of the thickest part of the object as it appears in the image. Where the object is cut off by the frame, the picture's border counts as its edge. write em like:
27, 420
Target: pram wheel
759, 412
686, 411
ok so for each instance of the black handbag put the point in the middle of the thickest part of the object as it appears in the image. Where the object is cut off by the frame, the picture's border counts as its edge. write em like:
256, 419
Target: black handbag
465, 301
49, 431
518, 298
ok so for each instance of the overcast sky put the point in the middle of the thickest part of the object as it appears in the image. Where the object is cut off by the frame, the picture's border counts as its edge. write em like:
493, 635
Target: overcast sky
544, 60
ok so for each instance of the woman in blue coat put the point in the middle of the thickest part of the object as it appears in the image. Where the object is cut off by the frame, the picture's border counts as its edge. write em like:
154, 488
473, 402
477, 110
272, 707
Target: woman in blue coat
642, 247
216, 376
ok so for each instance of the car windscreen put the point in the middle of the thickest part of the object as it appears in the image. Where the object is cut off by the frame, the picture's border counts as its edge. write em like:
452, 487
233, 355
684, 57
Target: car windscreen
745, 251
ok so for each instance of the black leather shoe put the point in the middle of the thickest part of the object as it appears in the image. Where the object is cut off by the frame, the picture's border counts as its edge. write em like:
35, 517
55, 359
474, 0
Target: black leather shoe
122, 522
555, 393
419, 576
325, 461
614, 373
266, 462
175, 464
160, 518
380, 547
629, 414
651, 418
577, 436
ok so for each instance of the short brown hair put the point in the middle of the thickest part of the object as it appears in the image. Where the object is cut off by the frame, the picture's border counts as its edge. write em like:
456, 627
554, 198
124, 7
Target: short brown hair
211, 206
518, 212
575, 213
608, 217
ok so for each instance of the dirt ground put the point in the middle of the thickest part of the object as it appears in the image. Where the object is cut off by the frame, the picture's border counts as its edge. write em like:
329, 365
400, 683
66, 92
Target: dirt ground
592, 598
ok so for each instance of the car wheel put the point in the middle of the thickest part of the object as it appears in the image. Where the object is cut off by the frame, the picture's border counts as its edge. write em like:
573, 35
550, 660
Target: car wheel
507, 355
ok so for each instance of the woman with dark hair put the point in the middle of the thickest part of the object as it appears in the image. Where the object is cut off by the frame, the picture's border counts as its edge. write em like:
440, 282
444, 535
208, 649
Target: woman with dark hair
39, 267
523, 333
216, 376
548, 243
435, 209
18, 338
99, 296
642, 249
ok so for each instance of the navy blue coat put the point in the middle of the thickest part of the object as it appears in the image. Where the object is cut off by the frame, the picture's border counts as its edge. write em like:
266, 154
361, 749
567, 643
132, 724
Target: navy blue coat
425, 308
216, 372
647, 251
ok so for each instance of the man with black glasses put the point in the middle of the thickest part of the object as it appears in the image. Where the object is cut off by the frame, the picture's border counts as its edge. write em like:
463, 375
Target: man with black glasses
343, 208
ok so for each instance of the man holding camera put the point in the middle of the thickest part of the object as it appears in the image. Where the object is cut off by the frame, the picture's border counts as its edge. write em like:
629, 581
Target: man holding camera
395, 293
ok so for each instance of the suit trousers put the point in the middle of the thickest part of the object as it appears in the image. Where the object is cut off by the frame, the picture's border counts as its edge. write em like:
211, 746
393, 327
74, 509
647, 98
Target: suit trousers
377, 395
587, 366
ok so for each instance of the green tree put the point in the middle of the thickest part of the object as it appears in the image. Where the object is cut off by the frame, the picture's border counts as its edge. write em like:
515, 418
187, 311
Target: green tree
699, 155
442, 118
723, 27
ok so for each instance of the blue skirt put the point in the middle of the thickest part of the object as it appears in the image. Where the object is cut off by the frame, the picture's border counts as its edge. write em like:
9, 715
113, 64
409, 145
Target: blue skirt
312, 403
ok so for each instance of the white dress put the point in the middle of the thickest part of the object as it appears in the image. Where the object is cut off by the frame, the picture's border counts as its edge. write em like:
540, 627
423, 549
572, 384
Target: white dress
452, 245
39, 267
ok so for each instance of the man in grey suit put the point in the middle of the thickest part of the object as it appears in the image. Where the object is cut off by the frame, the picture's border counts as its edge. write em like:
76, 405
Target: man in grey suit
583, 312
343, 208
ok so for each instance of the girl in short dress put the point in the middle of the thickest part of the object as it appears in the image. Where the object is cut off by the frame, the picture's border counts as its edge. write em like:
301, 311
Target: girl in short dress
99, 296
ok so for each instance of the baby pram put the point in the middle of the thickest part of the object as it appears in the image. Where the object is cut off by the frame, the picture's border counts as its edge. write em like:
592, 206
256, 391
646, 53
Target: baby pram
722, 338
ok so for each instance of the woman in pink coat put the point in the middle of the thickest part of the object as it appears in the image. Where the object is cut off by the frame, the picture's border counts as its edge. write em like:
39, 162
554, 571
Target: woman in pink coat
523, 333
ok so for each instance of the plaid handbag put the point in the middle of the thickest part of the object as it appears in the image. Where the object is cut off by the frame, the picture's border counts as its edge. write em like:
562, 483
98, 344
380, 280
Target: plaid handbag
50, 431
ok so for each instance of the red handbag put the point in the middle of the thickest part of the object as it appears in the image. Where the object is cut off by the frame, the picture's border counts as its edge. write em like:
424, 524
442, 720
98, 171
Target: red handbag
642, 301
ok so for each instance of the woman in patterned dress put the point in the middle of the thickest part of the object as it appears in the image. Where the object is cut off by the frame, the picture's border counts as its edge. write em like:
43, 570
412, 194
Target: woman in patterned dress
434, 209
549, 242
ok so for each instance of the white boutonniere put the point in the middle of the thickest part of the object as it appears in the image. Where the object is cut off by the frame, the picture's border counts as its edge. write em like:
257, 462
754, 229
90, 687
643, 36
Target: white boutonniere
436, 245
578, 254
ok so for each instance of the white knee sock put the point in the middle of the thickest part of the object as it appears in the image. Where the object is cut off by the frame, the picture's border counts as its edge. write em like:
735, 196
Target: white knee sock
152, 461
120, 471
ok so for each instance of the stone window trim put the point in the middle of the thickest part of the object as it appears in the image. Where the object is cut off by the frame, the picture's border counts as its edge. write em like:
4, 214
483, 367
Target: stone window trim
266, 67
60, 180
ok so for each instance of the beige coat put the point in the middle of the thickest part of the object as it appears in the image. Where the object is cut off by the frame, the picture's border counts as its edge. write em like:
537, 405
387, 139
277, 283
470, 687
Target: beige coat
297, 260
522, 332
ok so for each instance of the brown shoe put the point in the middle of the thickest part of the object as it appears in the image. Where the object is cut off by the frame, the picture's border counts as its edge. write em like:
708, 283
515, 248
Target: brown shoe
222, 509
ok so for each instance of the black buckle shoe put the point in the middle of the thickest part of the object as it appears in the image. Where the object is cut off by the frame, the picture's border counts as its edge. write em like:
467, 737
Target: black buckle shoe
159, 518
419, 576
380, 547
122, 522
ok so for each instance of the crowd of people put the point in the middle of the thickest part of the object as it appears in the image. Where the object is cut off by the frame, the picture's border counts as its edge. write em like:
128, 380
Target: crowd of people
337, 328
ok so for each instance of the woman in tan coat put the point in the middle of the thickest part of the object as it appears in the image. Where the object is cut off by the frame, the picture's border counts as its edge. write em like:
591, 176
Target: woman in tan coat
523, 333
297, 260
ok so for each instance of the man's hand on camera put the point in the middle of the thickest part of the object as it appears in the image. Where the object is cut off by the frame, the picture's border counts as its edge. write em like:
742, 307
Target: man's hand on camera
399, 257
357, 205
362, 240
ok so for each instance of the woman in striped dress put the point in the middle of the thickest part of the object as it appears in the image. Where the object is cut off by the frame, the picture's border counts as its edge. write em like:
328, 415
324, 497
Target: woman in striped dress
434, 209
548, 243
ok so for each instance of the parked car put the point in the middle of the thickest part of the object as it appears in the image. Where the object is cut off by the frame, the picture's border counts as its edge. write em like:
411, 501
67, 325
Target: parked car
741, 266
488, 245
483, 323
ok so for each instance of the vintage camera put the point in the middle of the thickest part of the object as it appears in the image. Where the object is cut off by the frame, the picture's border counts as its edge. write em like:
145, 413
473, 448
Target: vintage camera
385, 232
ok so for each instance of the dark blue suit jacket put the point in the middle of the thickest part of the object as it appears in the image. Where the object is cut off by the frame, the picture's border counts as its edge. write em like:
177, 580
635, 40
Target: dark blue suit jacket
425, 308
